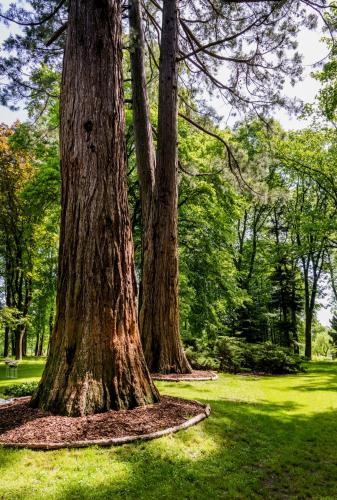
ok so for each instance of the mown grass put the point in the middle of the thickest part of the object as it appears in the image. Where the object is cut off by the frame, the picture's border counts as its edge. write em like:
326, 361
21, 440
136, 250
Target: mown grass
271, 437
29, 370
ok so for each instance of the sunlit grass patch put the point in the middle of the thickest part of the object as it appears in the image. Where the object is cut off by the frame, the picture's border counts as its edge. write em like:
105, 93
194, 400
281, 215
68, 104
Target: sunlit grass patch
272, 437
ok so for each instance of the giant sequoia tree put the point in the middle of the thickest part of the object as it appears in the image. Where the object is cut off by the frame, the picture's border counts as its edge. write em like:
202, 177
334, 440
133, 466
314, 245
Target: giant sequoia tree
159, 310
242, 35
256, 30
95, 361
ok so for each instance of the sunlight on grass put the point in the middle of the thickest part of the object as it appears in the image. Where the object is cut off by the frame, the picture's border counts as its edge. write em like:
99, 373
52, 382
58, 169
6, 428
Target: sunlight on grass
267, 436
29, 370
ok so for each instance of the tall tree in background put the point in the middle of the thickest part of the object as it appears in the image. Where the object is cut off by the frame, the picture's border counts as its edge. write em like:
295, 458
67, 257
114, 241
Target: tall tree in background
16, 240
95, 361
308, 157
162, 343
159, 306
311, 232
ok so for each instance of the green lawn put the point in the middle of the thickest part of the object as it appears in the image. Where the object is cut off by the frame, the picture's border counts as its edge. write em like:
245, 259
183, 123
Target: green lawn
271, 437
28, 371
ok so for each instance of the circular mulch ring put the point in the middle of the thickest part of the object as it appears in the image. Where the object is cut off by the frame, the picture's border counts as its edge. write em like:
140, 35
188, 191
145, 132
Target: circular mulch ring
195, 376
25, 427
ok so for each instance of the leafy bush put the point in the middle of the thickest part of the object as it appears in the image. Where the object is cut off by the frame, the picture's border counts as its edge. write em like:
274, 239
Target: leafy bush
19, 390
202, 359
236, 356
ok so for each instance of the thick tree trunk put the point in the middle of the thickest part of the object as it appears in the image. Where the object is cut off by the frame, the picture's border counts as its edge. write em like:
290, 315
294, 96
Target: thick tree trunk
95, 361
160, 327
146, 159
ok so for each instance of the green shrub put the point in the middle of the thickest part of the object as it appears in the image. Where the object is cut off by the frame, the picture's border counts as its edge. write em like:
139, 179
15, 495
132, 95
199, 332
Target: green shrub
230, 354
236, 356
19, 390
201, 359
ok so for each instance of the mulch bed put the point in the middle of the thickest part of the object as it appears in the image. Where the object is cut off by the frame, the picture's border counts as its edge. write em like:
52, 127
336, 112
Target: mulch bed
22, 426
196, 375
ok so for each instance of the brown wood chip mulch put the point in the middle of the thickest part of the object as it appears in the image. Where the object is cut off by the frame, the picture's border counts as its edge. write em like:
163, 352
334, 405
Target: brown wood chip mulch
22, 426
196, 375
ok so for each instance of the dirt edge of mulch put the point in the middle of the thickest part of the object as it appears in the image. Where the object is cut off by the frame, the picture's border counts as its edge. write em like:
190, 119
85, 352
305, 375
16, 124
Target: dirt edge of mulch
191, 413
195, 376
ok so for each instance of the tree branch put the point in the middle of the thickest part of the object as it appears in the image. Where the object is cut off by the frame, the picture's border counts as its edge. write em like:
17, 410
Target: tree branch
57, 34
35, 23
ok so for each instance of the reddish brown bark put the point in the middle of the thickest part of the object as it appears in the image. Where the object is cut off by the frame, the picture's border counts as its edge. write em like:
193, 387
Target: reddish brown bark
95, 361
146, 158
162, 343
159, 311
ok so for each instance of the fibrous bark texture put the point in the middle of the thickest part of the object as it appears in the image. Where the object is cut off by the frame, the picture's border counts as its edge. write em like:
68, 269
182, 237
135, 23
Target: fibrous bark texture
146, 161
160, 308
95, 361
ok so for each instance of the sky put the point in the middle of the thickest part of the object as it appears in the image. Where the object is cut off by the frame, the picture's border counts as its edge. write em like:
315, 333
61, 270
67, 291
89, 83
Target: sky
309, 45
312, 49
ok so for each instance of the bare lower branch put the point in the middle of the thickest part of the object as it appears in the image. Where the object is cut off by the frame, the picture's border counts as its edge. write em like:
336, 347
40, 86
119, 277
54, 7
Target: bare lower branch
57, 34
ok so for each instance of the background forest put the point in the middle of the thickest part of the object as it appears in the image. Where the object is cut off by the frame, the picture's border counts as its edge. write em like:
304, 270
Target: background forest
257, 204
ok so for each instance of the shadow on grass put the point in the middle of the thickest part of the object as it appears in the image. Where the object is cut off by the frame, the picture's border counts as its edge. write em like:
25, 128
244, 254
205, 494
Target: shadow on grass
321, 376
257, 450
243, 450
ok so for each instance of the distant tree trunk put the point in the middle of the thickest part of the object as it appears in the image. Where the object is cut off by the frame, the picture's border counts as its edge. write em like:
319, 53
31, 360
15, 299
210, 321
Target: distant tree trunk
310, 293
51, 321
160, 328
37, 344
21, 330
13, 344
294, 312
40, 349
294, 332
51, 327
19, 334
8, 304
308, 336
24, 343
309, 298
6, 342
95, 361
